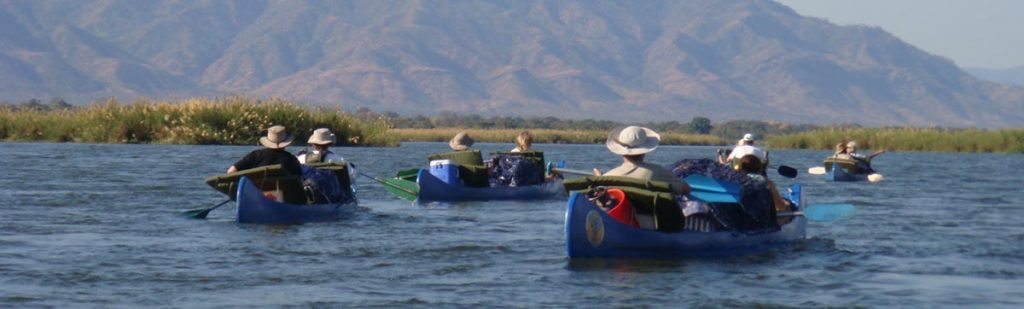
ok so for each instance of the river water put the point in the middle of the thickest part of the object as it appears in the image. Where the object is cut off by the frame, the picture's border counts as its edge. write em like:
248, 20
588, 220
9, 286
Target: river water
98, 226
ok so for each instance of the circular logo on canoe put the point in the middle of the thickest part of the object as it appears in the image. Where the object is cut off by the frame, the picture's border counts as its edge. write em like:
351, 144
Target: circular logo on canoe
595, 228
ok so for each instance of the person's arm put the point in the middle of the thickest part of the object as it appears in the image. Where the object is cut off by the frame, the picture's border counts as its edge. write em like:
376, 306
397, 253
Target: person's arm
876, 153
232, 169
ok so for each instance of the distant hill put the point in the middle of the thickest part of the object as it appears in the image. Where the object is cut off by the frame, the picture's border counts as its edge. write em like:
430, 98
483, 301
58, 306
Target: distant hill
622, 60
1014, 75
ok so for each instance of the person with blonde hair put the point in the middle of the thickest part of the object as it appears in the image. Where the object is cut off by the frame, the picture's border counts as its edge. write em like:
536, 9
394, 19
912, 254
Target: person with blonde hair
523, 142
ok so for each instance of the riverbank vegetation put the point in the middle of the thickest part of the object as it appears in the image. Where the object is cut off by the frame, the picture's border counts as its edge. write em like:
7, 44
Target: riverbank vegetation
907, 139
242, 120
226, 121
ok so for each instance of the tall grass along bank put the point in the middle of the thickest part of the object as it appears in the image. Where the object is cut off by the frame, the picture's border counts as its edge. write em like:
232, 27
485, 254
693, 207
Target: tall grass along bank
908, 139
543, 136
227, 121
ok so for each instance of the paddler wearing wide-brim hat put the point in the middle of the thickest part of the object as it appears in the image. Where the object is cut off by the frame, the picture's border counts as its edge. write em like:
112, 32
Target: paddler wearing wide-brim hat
273, 152
633, 143
461, 142
321, 140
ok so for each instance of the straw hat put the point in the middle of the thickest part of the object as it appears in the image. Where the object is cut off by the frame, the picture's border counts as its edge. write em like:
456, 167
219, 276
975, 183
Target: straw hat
461, 142
276, 138
321, 136
632, 140
851, 144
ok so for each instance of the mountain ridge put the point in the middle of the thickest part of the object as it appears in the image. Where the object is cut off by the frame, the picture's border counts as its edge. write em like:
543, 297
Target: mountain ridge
656, 60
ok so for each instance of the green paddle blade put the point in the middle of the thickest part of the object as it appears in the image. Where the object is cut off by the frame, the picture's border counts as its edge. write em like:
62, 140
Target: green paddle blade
201, 213
403, 189
408, 174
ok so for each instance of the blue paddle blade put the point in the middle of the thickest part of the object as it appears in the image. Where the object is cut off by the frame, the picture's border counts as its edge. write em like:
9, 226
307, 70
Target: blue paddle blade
829, 212
713, 197
704, 183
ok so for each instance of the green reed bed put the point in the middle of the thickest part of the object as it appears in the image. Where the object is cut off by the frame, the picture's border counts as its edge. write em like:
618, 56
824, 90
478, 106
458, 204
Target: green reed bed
228, 121
908, 139
542, 136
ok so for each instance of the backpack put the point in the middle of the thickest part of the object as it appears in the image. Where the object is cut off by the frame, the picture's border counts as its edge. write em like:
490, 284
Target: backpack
322, 186
515, 171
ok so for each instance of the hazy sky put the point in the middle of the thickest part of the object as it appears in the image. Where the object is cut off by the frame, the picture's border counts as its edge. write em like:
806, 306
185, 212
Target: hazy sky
972, 33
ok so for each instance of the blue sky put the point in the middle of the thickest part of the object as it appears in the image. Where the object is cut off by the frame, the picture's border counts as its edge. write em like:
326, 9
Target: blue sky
979, 33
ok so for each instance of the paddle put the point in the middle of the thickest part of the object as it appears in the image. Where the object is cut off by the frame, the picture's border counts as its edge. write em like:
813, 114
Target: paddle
823, 212
569, 171
787, 171
400, 187
201, 213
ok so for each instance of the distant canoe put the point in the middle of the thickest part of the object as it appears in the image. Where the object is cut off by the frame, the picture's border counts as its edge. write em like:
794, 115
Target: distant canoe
433, 189
429, 188
840, 169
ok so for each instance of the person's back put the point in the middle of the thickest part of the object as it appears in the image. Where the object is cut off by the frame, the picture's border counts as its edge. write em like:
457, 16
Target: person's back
266, 156
273, 153
745, 146
637, 168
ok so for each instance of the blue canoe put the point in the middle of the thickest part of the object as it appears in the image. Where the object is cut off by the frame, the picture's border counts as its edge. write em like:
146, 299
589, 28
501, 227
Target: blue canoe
433, 189
846, 169
254, 207
590, 232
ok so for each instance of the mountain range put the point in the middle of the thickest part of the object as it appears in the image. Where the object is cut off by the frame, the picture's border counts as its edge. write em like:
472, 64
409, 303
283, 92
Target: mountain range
620, 60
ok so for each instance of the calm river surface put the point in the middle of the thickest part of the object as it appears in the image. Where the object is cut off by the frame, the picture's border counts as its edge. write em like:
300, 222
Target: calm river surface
84, 225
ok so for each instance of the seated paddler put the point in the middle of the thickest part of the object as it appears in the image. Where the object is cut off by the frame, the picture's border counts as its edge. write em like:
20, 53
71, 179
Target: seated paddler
273, 152
471, 169
633, 143
321, 140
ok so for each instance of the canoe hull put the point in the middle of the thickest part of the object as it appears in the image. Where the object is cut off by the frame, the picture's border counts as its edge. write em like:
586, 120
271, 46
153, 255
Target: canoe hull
253, 207
432, 189
837, 173
590, 233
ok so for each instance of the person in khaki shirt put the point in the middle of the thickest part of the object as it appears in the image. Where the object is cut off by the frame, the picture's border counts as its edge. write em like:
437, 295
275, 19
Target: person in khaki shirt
632, 143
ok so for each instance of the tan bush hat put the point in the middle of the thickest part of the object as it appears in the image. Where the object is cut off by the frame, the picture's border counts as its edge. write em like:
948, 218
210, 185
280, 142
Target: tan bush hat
321, 136
632, 140
276, 138
461, 142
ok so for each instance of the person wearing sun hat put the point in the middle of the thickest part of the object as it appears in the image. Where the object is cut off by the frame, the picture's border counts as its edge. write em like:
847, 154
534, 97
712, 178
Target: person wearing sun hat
321, 140
273, 152
633, 143
461, 142
745, 146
